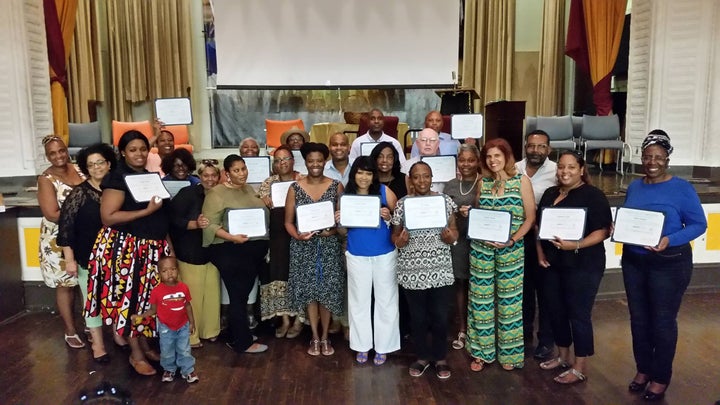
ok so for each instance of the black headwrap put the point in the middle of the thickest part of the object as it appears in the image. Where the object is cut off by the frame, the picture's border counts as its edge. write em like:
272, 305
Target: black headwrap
660, 138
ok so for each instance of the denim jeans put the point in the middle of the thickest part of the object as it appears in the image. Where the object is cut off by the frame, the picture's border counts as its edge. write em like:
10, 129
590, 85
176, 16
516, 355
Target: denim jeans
655, 284
175, 349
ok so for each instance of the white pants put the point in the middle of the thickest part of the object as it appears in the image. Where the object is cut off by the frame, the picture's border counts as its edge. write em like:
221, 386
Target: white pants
368, 275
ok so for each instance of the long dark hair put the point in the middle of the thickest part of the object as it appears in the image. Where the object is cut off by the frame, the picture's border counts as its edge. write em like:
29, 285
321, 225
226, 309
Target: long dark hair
396, 163
585, 177
368, 164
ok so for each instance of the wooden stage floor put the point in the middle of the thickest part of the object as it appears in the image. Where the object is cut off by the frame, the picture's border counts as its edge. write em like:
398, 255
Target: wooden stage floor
36, 367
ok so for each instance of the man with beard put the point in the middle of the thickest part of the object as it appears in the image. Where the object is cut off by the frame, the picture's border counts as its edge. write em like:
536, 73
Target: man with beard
542, 173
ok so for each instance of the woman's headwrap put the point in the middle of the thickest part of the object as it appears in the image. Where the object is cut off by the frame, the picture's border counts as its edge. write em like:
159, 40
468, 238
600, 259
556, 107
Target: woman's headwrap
660, 138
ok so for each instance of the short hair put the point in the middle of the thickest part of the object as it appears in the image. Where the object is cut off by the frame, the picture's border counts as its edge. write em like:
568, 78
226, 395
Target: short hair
183, 154
230, 159
310, 147
376, 109
165, 258
204, 165
367, 164
580, 161
248, 139
538, 132
103, 149
165, 131
375, 154
468, 147
506, 150
285, 148
418, 164
130, 136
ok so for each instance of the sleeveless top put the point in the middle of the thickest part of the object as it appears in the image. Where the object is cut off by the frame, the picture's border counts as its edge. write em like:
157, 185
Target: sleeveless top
371, 241
510, 201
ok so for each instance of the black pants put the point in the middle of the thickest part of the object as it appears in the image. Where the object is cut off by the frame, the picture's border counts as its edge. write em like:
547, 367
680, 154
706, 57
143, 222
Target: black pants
239, 264
429, 311
533, 287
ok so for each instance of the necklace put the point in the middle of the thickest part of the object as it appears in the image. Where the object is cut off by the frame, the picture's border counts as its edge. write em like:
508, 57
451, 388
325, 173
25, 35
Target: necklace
471, 188
497, 185
565, 192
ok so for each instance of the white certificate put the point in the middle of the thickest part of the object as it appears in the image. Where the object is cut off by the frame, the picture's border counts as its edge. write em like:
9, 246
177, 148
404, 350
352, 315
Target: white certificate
315, 216
366, 148
638, 227
258, 168
443, 167
247, 221
360, 211
299, 162
466, 126
425, 212
278, 193
489, 225
145, 186
173, 111
563, 223
174, 186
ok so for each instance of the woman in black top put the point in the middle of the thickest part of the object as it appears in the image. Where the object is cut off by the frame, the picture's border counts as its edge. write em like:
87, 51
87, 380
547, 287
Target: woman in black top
387, 159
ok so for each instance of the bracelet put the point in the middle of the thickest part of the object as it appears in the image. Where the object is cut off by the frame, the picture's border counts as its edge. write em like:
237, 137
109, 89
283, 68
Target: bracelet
577, 247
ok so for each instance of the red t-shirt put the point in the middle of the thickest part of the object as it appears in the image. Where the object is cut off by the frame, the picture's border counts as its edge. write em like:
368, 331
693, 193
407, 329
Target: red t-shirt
170, 303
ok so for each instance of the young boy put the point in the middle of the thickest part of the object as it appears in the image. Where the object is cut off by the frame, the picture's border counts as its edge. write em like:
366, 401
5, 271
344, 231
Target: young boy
170, 300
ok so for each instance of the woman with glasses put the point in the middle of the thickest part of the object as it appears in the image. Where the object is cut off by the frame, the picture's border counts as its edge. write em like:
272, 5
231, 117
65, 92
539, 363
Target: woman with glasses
54, 185
79, 225
180, 165
656, 277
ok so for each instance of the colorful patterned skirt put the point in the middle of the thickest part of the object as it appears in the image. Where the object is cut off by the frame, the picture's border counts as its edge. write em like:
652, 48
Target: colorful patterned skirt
123, 270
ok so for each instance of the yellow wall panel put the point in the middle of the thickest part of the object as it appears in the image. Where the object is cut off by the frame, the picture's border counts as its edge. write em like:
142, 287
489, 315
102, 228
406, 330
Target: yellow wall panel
713, 232
32, 246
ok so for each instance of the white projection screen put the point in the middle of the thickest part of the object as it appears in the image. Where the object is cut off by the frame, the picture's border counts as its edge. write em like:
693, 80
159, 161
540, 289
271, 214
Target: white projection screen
336, 43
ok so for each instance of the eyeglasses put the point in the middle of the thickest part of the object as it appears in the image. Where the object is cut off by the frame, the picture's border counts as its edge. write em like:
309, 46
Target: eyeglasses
285, 159
99, 163
656, 158
209, 162
428, 140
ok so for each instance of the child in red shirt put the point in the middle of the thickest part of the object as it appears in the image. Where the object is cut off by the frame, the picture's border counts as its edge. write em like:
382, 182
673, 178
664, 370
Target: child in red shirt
170, 301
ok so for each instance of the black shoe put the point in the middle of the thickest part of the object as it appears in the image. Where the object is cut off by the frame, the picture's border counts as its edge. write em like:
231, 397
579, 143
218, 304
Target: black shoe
104, 359
637, 387
543, 353
652, 396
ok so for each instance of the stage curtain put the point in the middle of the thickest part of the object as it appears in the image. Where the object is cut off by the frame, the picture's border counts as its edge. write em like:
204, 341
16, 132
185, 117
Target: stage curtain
59, 28
85, 74
551, 76
489, 47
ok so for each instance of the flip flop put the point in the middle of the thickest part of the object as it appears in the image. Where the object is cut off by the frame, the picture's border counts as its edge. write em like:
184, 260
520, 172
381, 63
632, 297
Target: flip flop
442, 371
579, 377
459, 343
552, 364
74, 341
417, 369
477, 365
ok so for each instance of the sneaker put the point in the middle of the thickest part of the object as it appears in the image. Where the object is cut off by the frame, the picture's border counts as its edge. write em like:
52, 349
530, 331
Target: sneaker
168, 376
191, 378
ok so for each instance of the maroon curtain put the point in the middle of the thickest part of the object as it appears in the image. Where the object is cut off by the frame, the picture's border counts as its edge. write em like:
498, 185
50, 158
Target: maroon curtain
56, 47
576, 44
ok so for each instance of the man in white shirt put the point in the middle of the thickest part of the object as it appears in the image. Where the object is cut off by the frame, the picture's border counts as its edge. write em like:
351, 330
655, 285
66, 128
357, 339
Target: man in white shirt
448, 146
375, 134
542, 173
338, 167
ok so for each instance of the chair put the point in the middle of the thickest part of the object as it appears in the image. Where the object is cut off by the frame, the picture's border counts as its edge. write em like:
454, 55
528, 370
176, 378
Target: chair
274, 129
530, 124
560, 130
83, 135
390, 128
181, 137
412, 133
120, 127
602, 132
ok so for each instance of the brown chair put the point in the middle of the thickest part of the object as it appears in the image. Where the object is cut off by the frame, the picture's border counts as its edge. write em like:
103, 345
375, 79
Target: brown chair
274, 129
390, 128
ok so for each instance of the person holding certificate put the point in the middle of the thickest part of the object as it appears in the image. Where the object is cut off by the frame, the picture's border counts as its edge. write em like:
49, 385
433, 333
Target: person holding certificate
179, 165
496, 268
165, 144
573, 268
238, 256
123, 264
371, 258
317, 274
463, 193
273, 291
424, 268
656, 276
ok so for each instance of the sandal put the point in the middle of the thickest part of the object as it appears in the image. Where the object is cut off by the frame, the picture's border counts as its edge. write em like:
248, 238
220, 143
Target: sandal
326, 347
281, 331
417, 369
74, 341
314, 349
196, 345
459, 343
361, 357
552, 364
294, 330
442, 371
508, 367
477, 365
577, 377
380, 359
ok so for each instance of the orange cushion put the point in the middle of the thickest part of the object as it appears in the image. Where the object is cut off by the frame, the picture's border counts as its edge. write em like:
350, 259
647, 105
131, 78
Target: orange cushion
274, 129
120, 127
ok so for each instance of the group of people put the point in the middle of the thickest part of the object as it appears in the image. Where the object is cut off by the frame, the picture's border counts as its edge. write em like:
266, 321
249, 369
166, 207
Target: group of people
391, 276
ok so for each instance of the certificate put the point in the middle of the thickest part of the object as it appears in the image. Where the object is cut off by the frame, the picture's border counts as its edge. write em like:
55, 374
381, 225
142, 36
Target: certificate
174, 186
360, 211
638, 227
173, 111
489, 225
563, 223
466, 126
278, 193
443, 167
299, 162
258, 168
366, 148
145, 186
247, 221
315, 216
425, 212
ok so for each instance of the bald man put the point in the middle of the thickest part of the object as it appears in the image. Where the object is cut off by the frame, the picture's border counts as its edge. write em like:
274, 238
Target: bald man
338, 167
448, 146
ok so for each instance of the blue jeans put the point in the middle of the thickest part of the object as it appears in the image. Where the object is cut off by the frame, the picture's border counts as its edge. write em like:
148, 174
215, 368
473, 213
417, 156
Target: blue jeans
655, 284
175, 349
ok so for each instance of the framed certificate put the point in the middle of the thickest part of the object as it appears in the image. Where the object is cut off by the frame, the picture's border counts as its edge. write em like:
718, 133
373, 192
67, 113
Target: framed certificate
247, 221
360, 211
145, 186
299, 162
563, 223
278, 192
258, 168
315, 216
366, 148
173, 111
174, 186
443, 167
489, 225
425, 212
466, 126
638, 227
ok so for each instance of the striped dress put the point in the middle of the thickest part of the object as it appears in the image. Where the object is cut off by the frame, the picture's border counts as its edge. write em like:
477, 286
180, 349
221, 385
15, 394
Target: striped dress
495, 324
